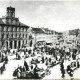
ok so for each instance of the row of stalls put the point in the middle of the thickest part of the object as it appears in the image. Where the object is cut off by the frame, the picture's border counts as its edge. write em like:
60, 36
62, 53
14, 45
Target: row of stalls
39, 67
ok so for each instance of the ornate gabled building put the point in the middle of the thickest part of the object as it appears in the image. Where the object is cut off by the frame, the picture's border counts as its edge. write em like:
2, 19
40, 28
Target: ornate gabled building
13, 33
36, 37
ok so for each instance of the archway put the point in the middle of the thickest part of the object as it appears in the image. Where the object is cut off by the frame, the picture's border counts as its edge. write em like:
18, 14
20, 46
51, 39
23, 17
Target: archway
31, 43
7, 45
11, 44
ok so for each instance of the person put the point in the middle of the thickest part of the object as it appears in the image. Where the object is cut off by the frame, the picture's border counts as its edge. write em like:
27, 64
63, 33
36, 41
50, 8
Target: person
15, 72
78, 65
42, 59
62, 69
69, 71
36, 76
18, 72
13, 52
23, 69
6, 59
18, 57
50, 60
20, 68
26, 65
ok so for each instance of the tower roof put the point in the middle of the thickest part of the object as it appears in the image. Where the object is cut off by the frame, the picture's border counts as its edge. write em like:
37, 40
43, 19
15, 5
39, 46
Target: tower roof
10, 19
11, 8
10, 12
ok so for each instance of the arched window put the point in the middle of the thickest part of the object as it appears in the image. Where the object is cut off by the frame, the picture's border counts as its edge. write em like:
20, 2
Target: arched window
14, 29
19, 35
2, 35
11, 28
7, 35
6, 28
26, 41
2, 28
18, 29
15, 35
11, 35
23, 35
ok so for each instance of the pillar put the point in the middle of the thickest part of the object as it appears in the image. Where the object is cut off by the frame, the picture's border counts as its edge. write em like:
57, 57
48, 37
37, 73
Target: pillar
17, 44
12, 44
21, 44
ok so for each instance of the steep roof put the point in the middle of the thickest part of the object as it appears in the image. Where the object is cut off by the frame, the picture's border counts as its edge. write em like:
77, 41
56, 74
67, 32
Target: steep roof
22, 24
48, 31
37, 30
1, 22
73, 32
17, 23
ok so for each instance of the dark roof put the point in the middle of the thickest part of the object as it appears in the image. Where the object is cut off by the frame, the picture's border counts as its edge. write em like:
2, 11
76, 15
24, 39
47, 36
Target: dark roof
11, 8
1, 22
18, 23
22, 24
58, 33
48, 31
37, 30
73, 32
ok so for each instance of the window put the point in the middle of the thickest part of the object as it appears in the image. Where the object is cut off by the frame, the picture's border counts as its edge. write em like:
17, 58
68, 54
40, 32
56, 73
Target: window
2, 35
15, 35
2, 28
11, 35
12, 29
23, 35
7, 35
19, 35
18, 29
26, 41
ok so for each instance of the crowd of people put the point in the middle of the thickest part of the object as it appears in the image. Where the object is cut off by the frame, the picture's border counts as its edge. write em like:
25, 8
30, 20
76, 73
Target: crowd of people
49, 56
3, 60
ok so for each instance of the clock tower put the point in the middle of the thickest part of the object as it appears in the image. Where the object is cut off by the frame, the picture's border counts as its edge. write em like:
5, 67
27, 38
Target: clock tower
10, 12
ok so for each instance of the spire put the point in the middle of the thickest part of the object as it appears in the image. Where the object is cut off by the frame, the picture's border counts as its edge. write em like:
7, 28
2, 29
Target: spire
10, 3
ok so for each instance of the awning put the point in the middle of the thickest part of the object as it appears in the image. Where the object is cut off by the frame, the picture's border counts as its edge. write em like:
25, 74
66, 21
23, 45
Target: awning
48, 43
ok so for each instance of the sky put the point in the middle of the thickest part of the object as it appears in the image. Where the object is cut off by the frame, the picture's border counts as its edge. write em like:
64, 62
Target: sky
59, 15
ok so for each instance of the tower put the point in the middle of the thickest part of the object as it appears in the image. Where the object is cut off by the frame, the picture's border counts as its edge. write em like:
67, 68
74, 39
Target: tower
10, 12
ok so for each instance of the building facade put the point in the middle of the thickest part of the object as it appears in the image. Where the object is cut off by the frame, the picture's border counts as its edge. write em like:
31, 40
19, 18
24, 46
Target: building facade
13, 33
36, 37
70, 38
42, 36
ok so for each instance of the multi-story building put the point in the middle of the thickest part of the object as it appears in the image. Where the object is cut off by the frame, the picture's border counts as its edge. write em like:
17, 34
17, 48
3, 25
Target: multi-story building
70, 38
59, 39
48, 35
51, 37
13, 33
41, 36
38, 36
